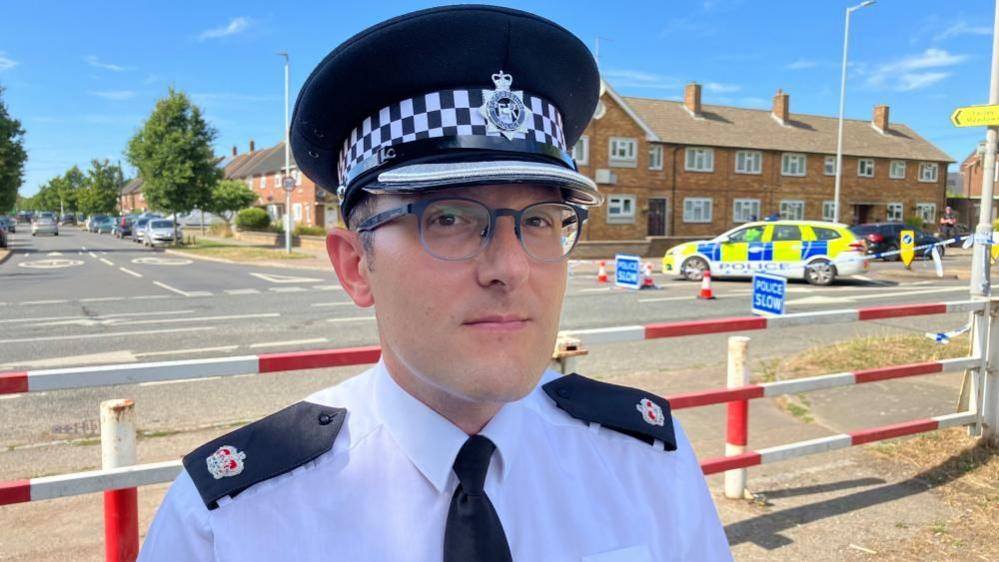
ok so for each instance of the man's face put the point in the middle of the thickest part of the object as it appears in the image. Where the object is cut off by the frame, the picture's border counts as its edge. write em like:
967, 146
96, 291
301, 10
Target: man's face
480, 330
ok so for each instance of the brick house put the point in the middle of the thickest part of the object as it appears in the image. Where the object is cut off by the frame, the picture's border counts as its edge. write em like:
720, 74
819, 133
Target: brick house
130, 198
679, 170
967, 201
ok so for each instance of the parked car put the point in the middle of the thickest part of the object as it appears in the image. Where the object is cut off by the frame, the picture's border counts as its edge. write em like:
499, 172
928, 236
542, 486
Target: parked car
104, 225
45, 225
9, 224
123, 226
882, 237
138, 227
92, 220
68, 219
158, 232
3, 237
24, 217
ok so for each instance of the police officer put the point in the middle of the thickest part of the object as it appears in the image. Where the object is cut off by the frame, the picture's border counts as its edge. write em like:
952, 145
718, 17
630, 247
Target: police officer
447, 134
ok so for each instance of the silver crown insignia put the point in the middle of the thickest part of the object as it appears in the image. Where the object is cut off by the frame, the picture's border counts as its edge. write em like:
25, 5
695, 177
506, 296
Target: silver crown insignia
502, 80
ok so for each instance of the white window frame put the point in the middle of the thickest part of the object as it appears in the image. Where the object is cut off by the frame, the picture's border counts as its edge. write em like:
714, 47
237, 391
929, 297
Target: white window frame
828, 210
699, 159
623, 152
621, 209
891, 170
829, 166
581, 151
698, 206
297, 174
892, 216
860, 167
924, 167
785, 160
296, 210
798, 203
249, 182
741, 214
752, 161
921, 211
655, 157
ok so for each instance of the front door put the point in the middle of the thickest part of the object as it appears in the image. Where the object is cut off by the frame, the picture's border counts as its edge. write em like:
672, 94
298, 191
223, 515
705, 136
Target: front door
657, 217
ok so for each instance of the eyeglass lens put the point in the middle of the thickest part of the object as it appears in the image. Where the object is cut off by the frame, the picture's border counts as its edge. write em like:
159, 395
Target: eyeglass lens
456, 229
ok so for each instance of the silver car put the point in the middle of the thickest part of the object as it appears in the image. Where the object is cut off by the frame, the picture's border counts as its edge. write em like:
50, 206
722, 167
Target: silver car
45, 225
158, 232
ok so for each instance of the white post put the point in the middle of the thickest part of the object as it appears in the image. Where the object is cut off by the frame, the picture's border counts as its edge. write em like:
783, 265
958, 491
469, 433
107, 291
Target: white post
121, 507
980, 283
990, 380
287, 161
738, 415
117, 433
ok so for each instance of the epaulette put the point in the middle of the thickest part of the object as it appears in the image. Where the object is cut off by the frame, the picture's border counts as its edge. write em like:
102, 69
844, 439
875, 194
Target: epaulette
262, 450
631, 411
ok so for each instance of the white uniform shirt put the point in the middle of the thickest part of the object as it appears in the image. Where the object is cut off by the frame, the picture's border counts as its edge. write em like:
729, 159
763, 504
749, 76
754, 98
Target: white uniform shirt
564, 491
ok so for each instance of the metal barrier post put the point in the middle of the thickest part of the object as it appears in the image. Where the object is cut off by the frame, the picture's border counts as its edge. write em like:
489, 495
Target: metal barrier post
737, 436
121, 507
989, 378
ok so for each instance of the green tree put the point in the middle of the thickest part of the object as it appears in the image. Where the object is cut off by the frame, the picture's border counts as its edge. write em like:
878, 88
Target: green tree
69, 187
173, 152
12, 157
103, 183
47, 198
229, 196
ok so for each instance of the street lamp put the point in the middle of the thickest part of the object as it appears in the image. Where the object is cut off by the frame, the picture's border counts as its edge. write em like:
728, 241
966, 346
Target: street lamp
842, 101
288, 186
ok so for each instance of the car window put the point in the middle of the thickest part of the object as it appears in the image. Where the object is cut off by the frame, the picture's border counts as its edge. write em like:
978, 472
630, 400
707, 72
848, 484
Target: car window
748, 234
785, 232
161, 224
825, 233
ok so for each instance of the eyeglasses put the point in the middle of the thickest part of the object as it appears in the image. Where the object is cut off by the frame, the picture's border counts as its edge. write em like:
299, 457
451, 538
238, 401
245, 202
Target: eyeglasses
456, 228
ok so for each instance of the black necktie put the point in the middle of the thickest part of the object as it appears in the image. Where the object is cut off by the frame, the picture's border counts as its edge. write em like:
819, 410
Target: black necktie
474, 532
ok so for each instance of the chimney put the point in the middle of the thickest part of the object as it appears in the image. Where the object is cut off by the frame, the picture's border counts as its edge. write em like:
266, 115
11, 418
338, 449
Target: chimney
782, 105
252, 146
880, 120
234, 152
692, 98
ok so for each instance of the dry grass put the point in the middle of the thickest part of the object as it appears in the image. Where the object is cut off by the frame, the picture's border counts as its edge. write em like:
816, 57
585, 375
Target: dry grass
240, 253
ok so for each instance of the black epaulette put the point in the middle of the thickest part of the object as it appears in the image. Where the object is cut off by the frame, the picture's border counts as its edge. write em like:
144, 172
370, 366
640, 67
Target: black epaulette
262, 450
631, 411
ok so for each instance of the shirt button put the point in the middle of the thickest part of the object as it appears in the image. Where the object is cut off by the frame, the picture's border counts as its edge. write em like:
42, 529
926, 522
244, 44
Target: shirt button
325, 419
564, 392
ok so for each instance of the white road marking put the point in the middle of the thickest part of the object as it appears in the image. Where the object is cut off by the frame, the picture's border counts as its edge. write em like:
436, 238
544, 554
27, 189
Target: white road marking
84, 248
44, 302
162, 261
288, 289
109, 334
102, 299
880, 295
222, 348
328, 288
290, 342
595, 290
54, 263
198, 319
107, 262
57, 362
54, 254
273, 278
93, 255
325, 304
130, 272
242, 292
353, 319
19, 320
686, 298
158, 383
146, 297
182, 293
105, 320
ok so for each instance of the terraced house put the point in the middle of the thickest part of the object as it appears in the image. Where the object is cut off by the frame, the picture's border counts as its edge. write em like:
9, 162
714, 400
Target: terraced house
676, 170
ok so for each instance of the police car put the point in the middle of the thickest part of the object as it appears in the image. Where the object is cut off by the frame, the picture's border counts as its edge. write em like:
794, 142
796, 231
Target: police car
812, 250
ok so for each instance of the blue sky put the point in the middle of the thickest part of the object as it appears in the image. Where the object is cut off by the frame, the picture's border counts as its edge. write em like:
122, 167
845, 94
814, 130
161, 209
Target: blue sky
82, 76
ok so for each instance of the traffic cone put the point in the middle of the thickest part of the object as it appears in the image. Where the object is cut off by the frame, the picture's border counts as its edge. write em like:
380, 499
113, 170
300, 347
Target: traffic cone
602, 273
706, 293
647, 281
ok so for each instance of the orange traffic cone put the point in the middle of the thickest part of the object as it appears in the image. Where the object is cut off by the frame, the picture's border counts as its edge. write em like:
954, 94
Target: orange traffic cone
706, 293
602, 273
647, 281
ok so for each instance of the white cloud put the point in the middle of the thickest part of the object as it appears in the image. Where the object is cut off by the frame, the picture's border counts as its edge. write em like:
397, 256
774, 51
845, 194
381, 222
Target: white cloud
96, 63
235, 26
914, 72
115, 95
801, 64
626, 78
962, 28
6, 63
718, 88
207, 98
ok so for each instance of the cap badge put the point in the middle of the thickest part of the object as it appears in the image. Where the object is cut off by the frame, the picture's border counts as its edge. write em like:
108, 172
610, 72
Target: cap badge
651, 412
226, 461
504, 110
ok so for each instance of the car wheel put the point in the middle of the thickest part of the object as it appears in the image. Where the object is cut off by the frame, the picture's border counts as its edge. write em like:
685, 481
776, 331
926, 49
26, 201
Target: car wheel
894, 257
693, 268
820, 272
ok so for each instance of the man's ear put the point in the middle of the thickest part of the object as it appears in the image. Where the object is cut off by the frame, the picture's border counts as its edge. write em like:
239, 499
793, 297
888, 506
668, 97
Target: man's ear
351, 265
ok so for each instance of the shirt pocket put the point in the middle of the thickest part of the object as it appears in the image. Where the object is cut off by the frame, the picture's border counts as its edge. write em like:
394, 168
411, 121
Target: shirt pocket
638, 553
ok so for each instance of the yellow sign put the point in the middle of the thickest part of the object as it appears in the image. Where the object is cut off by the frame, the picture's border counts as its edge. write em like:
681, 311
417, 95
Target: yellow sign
975, 116
906, 243
995, 247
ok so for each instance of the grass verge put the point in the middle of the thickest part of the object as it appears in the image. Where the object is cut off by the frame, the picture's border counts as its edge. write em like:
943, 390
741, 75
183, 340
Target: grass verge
238, 253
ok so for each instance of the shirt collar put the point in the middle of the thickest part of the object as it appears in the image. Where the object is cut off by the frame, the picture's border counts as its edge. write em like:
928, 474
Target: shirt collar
430, 440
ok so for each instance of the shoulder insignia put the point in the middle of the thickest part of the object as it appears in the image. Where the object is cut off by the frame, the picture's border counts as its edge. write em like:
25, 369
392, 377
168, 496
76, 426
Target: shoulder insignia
262, 450
631, 411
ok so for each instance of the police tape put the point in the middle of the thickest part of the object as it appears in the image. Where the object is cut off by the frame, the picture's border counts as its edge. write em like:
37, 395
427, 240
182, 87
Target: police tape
945, 337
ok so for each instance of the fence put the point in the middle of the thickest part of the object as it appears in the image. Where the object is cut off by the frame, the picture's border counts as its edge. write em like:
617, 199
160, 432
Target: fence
982, 401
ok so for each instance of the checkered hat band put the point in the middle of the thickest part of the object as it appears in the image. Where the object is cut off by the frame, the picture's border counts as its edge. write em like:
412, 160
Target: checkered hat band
448, 113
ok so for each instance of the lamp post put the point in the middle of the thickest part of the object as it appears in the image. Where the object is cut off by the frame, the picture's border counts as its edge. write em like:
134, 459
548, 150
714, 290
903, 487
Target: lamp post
287, 162
842, 102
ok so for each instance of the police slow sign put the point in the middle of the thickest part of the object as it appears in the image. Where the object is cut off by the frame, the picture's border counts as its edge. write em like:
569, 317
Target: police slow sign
907, 243
626, 271
768, 294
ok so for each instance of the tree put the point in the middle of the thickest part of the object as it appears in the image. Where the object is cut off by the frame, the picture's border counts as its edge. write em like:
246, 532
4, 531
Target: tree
103, 183
173, 153
69, 187
229, 196
12, 157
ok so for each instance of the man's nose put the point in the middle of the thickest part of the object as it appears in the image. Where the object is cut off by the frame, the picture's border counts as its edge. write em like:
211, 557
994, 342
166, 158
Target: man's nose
504, 260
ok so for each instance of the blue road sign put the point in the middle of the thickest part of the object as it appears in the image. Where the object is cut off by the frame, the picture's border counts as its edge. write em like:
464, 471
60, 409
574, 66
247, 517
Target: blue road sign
768, 294
627, 270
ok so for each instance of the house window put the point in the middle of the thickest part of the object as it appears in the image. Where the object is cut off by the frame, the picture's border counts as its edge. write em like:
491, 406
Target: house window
249, 182
927, 211
297, 211
700, 160
829, 166
748, 162
297, 174
895, 212
792, 210
621, 209
928, 171
897, 170
792, 164
697, 209
828, 210
865, 167
581, 152
623, 152
745, 210
656, 157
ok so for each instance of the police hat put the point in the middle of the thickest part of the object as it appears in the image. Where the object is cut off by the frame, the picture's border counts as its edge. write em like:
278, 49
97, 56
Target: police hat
450, 96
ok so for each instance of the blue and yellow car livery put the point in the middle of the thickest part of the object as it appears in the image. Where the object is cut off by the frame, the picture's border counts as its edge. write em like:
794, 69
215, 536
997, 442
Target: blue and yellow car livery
812, 250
